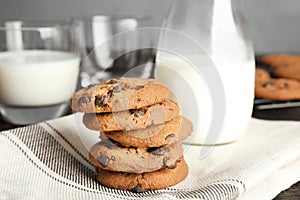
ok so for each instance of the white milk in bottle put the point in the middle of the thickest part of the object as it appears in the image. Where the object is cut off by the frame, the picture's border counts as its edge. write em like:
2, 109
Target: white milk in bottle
193, 95
216, 31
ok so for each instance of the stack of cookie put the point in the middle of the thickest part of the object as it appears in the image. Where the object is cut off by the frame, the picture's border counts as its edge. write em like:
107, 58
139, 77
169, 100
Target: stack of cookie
140, 130
284, 84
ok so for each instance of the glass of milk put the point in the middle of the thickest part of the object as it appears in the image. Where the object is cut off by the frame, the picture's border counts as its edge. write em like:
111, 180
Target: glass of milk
207, 59
38, 71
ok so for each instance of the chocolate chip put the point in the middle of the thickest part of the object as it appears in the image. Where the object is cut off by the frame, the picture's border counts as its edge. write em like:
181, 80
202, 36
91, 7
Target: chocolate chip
118, 88
157, 151
83, 100
112, 81
286, 85
138, 189
165, 162
137, 112
103, 160
101, 100
107, 143
110, 143
138, 87
172, 135
283, 85
173, 166
113, 158
267, 84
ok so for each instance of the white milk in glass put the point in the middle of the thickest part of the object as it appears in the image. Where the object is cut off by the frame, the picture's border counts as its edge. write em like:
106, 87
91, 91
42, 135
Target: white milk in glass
194, 97
36, 84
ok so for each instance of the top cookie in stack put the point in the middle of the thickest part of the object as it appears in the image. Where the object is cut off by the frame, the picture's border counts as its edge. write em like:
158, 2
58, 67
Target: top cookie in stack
119, 95
141, 133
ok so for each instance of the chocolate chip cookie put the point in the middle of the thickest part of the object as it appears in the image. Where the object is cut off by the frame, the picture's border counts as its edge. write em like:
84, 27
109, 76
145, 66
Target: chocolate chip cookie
156, 180
262, 76
119, 95
277, 89
175, 130
111, 156
132, 119
284, 65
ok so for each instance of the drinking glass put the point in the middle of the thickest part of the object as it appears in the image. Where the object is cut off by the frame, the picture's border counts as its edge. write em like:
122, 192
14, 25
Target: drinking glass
109, 48
38, 71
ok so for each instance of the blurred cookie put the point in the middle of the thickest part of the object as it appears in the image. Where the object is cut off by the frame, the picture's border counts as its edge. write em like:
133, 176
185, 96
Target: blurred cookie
278, 89
285, 66
175, 130
111, 156
277, 60
119, 94
132, 119
156, 180
261, 76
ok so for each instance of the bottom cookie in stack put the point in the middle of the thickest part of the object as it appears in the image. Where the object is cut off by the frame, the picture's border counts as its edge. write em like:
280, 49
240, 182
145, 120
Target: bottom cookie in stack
142, 182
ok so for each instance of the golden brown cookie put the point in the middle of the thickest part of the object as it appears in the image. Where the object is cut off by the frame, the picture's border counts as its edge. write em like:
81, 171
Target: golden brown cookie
175, 130
261, 76
132, 119
113, 157
278, 60
156, 180
284, 65
119, 94
279, 89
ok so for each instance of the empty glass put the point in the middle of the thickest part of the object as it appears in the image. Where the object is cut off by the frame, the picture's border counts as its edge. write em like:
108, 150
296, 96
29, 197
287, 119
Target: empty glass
106, 45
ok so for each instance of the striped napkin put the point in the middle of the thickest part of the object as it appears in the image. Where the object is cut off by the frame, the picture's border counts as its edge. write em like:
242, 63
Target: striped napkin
49, 160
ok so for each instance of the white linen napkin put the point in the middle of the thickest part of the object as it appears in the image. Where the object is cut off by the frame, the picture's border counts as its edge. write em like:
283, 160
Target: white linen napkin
50, 161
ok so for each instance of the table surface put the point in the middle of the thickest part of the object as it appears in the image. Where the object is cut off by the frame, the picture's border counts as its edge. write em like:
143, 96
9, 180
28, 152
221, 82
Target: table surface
293, 193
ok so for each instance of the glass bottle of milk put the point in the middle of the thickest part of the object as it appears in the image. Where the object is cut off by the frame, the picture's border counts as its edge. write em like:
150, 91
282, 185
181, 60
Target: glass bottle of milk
207, 59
